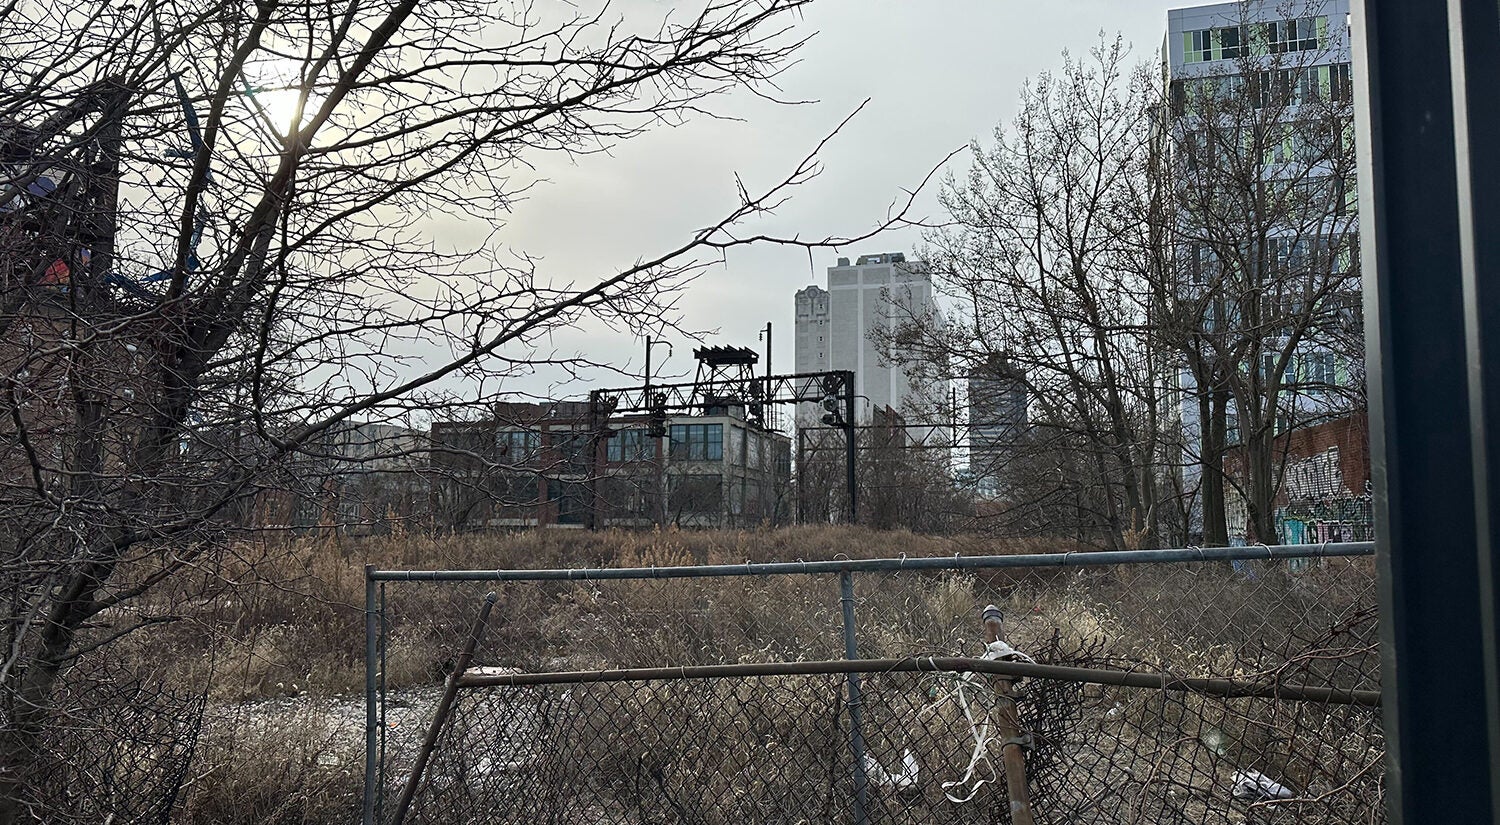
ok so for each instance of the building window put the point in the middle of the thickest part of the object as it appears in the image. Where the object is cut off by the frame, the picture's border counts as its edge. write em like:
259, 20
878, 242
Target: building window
515, 446
1341, 85
1288, 255
1203, 45
1268, 368
1229, 42
520, 489
1197, 46
1349, 204
696, 494
1303, 85
698, 442
1198, 95
1343, 256
1296, 35
574, 451
629, 445
1284, 422
1202, 265
572, 501
1321, 369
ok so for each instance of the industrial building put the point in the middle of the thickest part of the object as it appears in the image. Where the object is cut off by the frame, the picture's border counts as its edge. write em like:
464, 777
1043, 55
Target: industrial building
544, 465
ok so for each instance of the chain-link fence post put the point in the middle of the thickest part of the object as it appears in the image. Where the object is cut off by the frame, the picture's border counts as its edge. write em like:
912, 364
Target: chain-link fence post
370, 720
856, 731
383, 644
1013, 742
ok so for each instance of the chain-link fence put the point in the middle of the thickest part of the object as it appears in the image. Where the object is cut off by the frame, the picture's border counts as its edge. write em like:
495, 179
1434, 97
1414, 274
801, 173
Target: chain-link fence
118, 749
1187, 686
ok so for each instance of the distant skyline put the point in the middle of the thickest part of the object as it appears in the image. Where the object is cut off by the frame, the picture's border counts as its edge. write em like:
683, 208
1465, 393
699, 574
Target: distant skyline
937, 77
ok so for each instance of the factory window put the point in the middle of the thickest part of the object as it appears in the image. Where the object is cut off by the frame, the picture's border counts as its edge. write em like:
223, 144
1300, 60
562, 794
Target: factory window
698, 442
629, 445
517, 445
575, 451
695, 493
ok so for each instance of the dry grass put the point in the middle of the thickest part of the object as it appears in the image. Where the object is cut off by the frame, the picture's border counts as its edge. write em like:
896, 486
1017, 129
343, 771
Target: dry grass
276, 615
286, 618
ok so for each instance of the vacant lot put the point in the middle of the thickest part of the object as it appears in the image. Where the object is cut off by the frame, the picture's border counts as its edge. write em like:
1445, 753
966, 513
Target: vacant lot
272, 645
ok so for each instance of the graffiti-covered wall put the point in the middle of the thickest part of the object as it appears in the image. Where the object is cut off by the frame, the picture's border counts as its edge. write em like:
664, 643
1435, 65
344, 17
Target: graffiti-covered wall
1325, 484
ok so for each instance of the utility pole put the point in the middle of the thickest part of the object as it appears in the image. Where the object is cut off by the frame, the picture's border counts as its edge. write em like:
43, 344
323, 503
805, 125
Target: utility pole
851, 448
656, 430
767, 416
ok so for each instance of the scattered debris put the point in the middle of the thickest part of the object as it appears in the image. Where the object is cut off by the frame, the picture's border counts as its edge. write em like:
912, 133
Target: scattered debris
1255, 786
904, 781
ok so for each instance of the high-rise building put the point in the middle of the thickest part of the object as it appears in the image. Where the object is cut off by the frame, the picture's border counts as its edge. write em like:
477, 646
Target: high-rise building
1260, 91
997, 422
849, 325
812, 330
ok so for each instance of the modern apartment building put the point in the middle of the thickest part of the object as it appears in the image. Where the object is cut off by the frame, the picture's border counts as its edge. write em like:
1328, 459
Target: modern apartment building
1285, 68
847, 326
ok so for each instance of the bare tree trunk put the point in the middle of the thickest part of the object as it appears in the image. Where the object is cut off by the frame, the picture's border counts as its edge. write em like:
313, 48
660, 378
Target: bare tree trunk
1214, 413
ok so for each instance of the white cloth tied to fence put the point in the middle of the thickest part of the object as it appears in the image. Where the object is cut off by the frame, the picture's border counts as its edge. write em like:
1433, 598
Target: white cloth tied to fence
981, 769
1002, 652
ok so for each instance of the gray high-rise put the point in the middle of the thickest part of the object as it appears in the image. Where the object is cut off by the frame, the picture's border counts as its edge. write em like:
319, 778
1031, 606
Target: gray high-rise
847, 327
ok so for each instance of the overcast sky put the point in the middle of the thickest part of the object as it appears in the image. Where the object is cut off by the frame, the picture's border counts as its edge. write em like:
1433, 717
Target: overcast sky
938, 74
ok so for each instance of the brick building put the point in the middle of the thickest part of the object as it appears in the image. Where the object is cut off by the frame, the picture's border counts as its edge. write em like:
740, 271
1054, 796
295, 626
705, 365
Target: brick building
1325, 484
539, 465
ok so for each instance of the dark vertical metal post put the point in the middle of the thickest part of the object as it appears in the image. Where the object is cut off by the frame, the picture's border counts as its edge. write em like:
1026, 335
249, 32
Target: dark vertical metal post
381, 725
1012, 742
768, 359
1436, 710
768, 418
851, 449
595, 428
370, 718
801, 474
1474, 35
856, 728
444, 707
658, 502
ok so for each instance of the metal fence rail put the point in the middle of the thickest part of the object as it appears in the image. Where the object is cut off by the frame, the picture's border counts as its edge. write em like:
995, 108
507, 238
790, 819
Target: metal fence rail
1196, 685
1259, 552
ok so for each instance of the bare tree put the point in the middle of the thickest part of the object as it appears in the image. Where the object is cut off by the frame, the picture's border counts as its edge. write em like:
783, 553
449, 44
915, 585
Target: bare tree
216, 251
1127, 247
1255, 284
1033, 255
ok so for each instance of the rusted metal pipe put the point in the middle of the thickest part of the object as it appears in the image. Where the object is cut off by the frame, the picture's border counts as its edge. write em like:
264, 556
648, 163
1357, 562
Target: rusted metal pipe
1222, 688
1012, 743
445, 706
1108, 558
